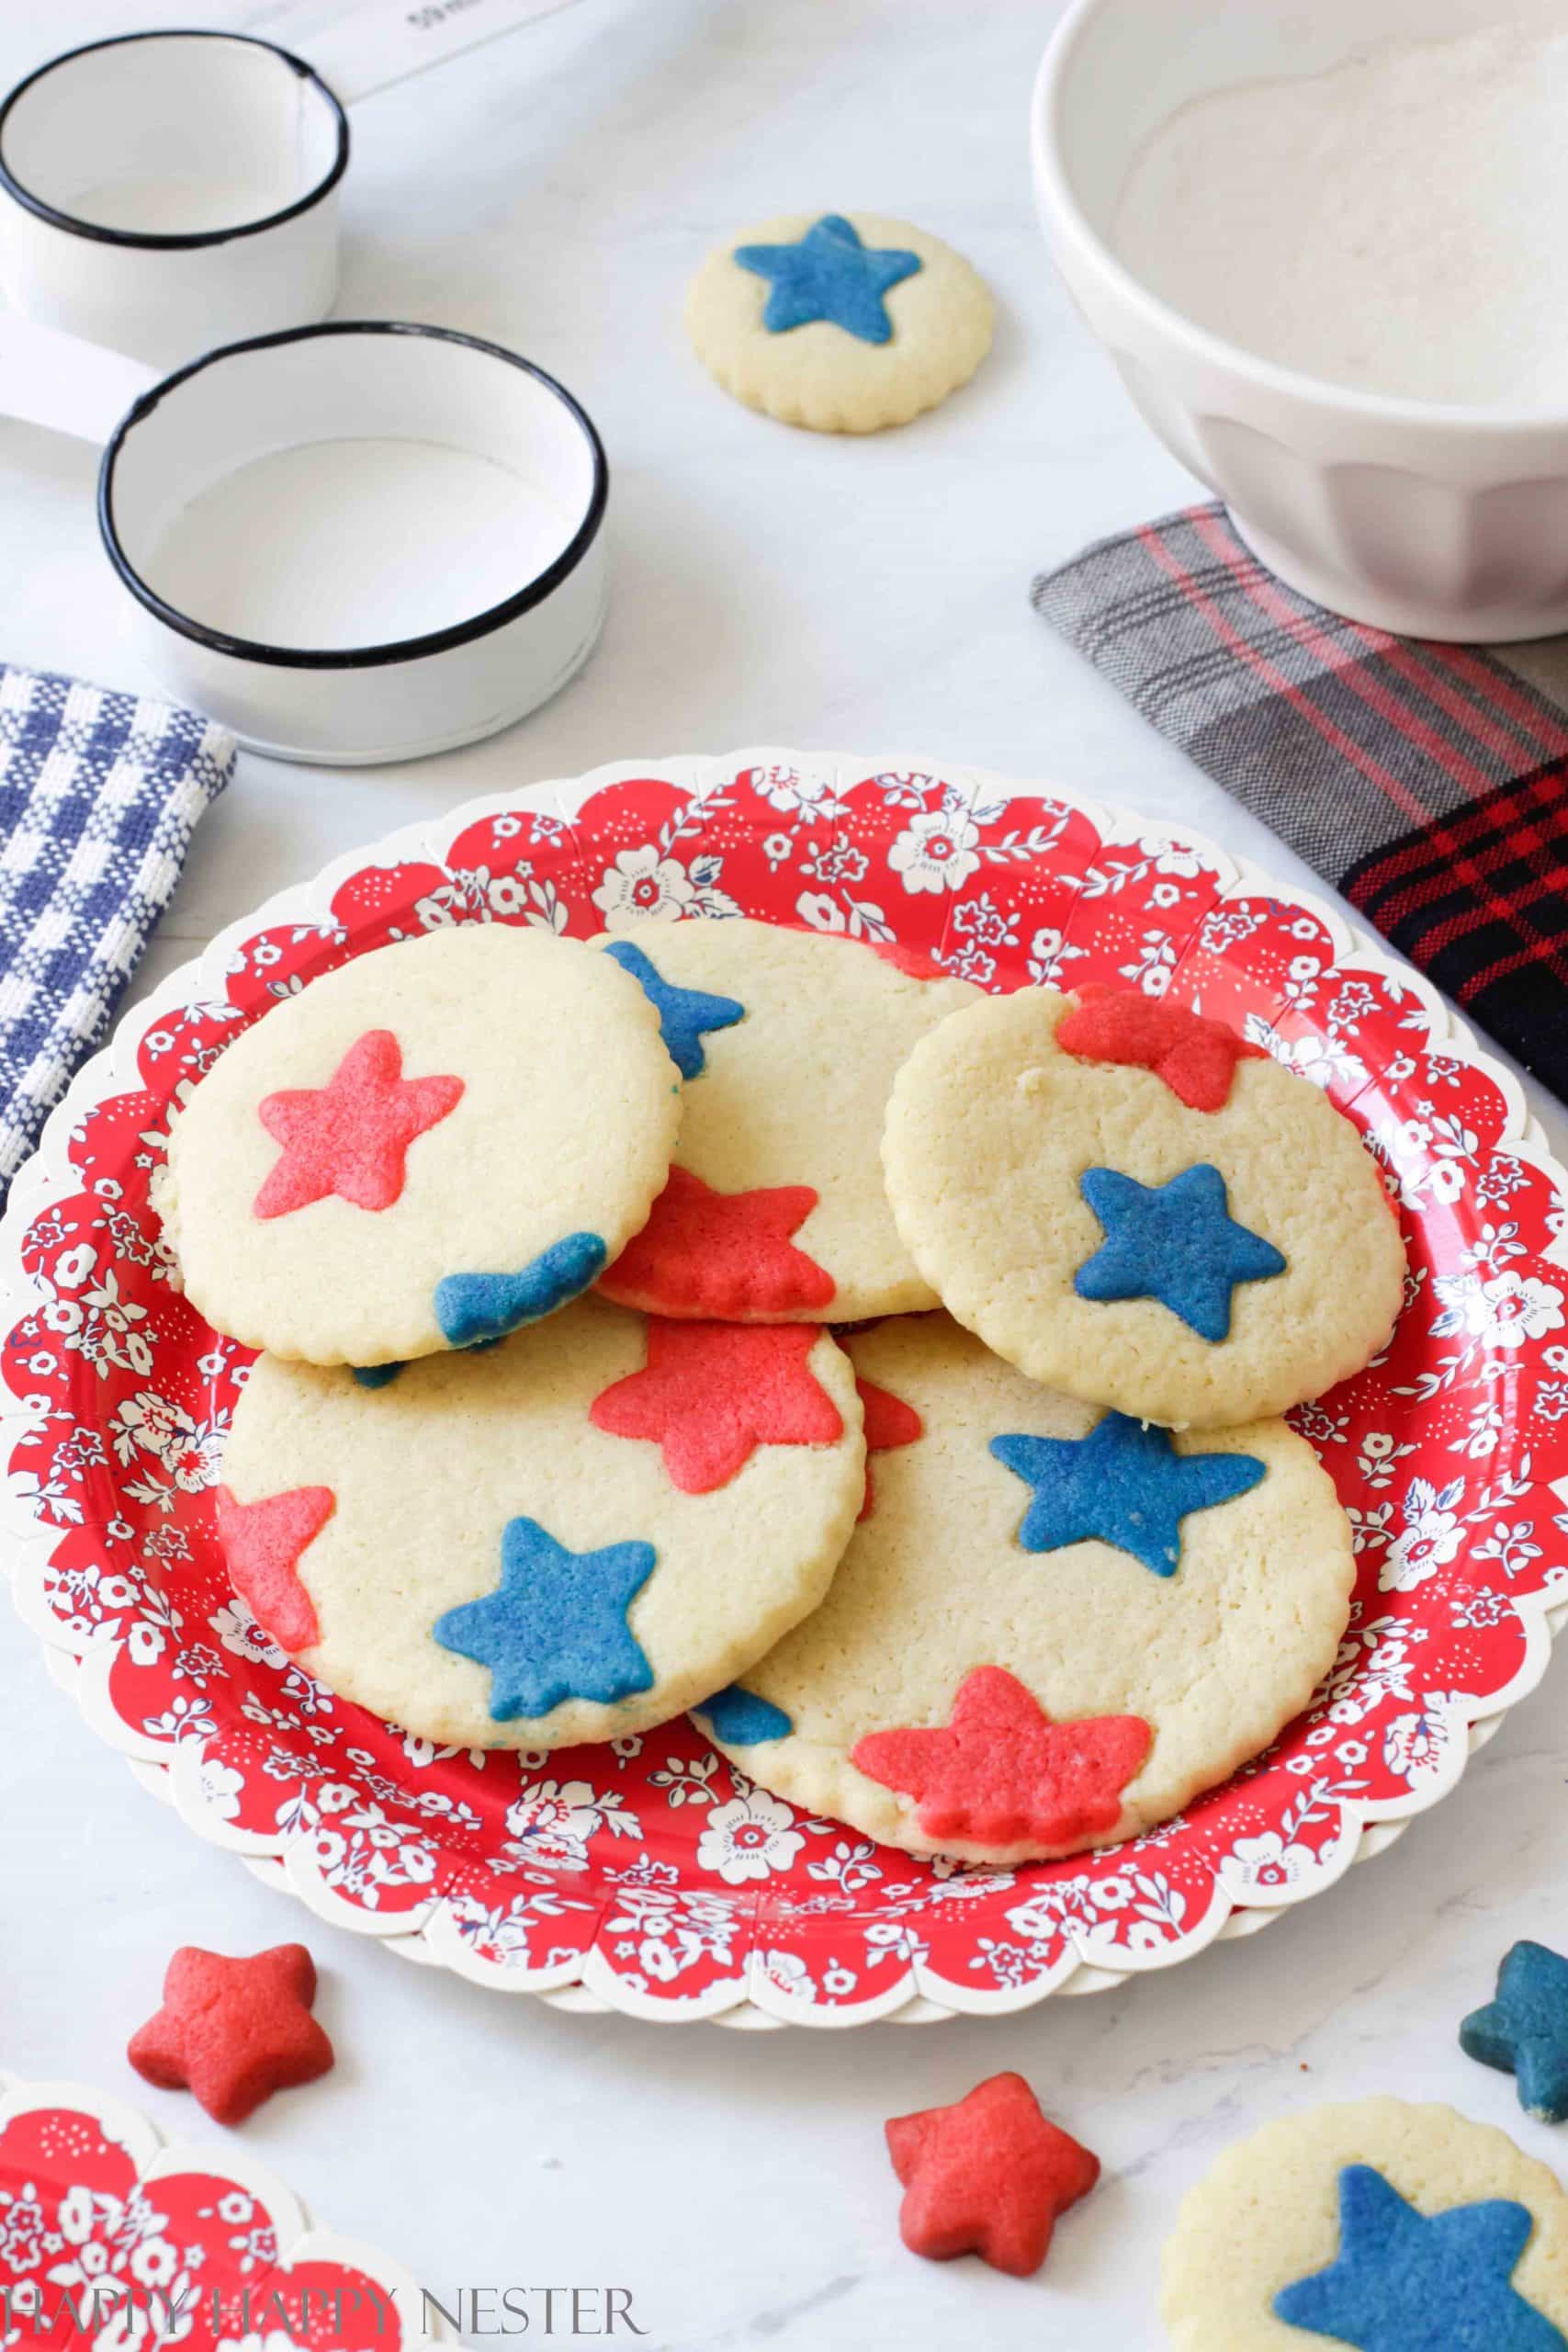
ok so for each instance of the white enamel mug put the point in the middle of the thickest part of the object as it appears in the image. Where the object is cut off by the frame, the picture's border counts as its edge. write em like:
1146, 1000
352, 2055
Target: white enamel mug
350, 543
165, 192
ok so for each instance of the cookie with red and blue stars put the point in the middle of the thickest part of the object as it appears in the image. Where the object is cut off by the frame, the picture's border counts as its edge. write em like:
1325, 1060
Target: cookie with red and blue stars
1389, 2227
572, 1536
1053, 1626
843, 323
788, 1042
1129, 1200
433, 1145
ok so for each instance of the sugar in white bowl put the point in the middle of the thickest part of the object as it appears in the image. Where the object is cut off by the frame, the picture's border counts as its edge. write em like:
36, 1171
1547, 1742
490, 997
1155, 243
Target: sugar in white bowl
1398, 224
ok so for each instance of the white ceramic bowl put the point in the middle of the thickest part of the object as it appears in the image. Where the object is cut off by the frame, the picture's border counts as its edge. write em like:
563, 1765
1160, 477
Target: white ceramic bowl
1426, 519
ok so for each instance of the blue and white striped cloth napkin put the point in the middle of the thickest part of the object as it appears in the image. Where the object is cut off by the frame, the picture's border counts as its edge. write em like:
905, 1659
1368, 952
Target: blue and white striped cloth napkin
98, 794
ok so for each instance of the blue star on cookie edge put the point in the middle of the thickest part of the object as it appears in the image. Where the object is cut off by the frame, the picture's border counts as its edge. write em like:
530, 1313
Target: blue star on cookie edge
685, 1015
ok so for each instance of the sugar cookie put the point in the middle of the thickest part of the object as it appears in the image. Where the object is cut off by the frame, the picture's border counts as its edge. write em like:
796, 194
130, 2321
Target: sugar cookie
1130, 1202
571, 1536
432, 1145
842, 322
1054, 1626
789, 1042
1391, 2227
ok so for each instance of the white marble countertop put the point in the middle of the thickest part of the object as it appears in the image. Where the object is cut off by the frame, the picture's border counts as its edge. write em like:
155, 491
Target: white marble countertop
553, 190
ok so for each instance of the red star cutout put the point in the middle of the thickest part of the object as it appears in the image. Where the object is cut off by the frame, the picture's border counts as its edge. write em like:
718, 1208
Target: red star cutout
1001, 1773
711, 1393
725, 1255
233, 2031
889, 1423
262, 1543
1194, 1056
352, 1136
989, 2175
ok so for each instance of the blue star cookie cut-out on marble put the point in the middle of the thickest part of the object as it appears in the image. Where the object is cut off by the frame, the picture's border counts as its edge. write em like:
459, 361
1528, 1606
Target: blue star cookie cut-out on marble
685, 1015
743, 1718
556, 1626
1175, 1242
829, 274
473, 1307
1125, 1484
1524, 2032
1406, 2281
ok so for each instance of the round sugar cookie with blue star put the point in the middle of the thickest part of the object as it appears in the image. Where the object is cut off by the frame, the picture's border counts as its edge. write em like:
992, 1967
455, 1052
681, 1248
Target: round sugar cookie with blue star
1131, 1202
843, 323
1053, 1626
787, 1043
569, 1536
1389, 2227
431, 1146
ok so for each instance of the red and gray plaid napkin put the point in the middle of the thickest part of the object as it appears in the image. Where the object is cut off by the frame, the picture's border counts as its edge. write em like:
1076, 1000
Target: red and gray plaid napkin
1427, 783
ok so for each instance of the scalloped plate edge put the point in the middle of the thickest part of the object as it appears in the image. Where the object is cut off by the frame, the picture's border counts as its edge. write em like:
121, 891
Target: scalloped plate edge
748, 2001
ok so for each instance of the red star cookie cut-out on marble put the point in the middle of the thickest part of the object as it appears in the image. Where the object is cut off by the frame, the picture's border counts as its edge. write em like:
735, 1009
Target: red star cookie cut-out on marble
990, 2176
350, 1137
889, 1423
711, 1393
1001, 1773
725, 1256
262, 1543
233, 2031
1194, 1056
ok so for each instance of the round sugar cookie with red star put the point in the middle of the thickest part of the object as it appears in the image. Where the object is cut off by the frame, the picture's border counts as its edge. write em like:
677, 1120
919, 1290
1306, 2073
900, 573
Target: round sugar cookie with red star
1053, 1626
1131, 1202
787, 1043
1376, 2223
431, 1146
573, 1535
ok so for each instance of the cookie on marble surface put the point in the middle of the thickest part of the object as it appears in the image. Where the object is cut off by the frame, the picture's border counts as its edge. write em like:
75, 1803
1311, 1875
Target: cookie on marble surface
571, 1536
1379, 2225
1053, 1626
842, 322
1129, 1202
788, 1042
434, 1144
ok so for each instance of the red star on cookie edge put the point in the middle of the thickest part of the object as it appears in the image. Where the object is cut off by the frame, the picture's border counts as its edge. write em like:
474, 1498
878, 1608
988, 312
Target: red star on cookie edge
724, 1255
889, 1423
1194, 1056
711, 1393
351, 1136
990, 2176
1001, 1773
233, 2031
262, 1543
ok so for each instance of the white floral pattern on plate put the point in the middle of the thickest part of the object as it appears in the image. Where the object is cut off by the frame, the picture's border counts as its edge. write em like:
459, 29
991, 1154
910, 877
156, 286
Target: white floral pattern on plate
648, 1873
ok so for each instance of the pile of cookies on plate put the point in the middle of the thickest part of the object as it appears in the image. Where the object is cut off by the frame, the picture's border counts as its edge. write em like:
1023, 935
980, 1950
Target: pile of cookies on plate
728, 1319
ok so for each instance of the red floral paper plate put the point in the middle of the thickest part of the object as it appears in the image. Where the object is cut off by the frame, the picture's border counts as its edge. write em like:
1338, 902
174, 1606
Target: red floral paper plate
109, 2238
647, 1875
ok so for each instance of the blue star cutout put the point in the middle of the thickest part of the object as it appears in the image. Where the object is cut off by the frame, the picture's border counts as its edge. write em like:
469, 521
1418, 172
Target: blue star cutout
1125, 1484
743, 1718
555, 1627
1525, 2031
472, 1308
1175, 1242
1406, 2281
828, 274
685, 1015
